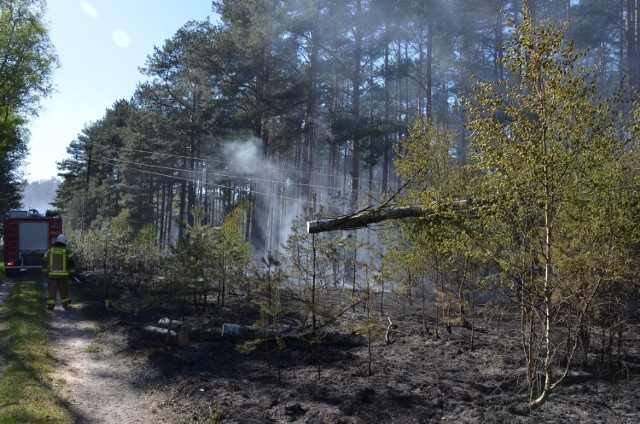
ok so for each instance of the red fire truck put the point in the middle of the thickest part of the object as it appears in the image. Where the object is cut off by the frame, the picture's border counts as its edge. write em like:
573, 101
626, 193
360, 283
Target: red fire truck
27, 236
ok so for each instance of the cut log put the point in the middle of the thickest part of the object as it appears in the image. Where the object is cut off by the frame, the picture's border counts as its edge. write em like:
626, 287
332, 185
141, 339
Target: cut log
247, 332
342, 339
206, 334
159, 334
165, 335
237, 332
195, 332
172, 324
373, 216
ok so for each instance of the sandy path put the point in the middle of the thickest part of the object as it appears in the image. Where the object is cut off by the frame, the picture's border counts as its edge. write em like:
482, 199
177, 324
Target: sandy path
100, 383
5, 289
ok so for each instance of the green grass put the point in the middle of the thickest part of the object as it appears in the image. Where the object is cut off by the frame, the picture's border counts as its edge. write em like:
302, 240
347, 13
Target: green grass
26, 361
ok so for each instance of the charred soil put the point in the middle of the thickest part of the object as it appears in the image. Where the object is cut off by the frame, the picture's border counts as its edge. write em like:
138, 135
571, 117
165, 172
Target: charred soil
414, 377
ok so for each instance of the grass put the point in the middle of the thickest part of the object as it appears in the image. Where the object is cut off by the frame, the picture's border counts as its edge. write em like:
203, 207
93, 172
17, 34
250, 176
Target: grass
26, 361
93, 348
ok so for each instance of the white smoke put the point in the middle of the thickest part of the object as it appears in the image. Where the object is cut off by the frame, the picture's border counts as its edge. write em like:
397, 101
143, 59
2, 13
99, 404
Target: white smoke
244, 156
273, 186
38, 195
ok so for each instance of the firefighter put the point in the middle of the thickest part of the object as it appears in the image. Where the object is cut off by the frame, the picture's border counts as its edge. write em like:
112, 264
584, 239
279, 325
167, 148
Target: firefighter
58, 263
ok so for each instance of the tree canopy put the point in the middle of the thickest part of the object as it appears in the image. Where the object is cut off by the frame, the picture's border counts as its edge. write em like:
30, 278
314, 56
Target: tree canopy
27, 60
288, 104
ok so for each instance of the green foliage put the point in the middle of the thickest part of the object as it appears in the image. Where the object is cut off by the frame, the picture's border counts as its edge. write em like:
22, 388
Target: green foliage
93, 190
549, 160
315, 272
27, 60
27, 55
288, 74
125, 261
546, 143
427, 164
548, 156
189, 259
436, 253
551, 171
232, 254
209, 257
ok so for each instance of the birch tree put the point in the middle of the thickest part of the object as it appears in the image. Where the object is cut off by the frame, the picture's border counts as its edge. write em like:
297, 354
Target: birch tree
546, 152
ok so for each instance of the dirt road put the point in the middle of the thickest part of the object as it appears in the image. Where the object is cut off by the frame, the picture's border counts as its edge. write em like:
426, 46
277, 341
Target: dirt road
100, 382
5, 289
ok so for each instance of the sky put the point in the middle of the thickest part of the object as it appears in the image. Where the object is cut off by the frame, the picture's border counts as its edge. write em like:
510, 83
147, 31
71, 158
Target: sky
100, 45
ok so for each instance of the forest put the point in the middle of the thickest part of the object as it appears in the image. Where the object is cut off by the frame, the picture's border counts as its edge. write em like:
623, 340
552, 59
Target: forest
288, 105
454, 156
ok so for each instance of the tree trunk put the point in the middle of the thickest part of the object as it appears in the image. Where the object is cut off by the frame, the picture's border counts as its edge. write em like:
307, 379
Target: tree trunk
183, 205
386, 149
372, 216
355, 106
429, 66
547, 290
236, 332
308, 150
631, 42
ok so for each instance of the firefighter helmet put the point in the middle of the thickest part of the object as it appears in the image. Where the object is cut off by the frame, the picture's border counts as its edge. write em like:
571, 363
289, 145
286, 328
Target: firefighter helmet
61, 239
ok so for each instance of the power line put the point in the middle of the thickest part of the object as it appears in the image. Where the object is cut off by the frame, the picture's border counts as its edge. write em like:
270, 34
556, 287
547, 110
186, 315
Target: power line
228, 163
115, 162
205, 183
217, 174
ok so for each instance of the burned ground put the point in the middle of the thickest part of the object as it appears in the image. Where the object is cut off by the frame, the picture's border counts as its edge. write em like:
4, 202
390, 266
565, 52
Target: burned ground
415, 378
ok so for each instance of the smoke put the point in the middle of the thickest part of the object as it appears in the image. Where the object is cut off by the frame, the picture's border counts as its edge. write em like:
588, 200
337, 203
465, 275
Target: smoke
39, 195
246, 158
277, 204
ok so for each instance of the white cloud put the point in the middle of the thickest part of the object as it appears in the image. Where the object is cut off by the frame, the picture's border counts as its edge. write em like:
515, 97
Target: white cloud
88, 8
121, 38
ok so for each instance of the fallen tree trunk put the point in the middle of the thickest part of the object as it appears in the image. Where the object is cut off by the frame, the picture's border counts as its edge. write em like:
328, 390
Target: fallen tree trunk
237, 332
248, 332
342, 339
164, 335
171, 324
363, 219
373, 216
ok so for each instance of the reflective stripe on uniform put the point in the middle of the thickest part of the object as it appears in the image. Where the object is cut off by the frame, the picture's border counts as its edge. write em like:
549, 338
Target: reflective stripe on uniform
58, 262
